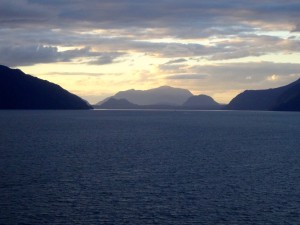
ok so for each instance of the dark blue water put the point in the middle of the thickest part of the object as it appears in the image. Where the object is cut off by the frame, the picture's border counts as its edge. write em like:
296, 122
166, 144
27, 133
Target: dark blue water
149, 167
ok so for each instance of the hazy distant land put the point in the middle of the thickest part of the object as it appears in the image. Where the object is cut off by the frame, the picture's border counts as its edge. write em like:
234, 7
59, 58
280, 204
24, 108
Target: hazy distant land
22, 91
286, 98
164, 97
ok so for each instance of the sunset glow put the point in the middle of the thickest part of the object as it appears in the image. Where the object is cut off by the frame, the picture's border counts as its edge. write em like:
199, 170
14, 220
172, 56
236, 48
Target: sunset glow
97, 48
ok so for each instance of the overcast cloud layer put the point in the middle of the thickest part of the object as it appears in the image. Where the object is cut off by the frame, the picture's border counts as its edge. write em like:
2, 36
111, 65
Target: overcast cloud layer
197, 42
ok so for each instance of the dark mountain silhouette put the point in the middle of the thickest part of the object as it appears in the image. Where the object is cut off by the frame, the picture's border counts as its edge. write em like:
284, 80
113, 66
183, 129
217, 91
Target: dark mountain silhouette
113, 103
22, 91
289, 100
201, 102
281, 98
164, 95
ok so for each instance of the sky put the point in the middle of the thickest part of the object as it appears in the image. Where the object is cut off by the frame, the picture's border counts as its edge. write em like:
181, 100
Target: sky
95, 48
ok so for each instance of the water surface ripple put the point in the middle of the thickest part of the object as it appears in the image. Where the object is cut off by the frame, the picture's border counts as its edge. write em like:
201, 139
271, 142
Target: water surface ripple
149, 167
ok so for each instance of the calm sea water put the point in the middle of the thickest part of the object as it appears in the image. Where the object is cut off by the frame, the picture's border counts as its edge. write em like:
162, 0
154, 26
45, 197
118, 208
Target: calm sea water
149, 167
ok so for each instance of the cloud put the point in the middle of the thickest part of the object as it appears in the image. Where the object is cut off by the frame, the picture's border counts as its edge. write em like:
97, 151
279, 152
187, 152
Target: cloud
34, 54
228, 76
251, 75
296, 28
232, 28
157, 40
173, 68
22, 13
274, 77
216, 16
229, 48
186, 77
257, 70
175, 61
254, 45
106, 58
28, 55
210, 30
71, 74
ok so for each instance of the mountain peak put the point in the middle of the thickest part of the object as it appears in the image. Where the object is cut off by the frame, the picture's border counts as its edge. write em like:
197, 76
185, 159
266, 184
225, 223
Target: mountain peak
297, 81
22, 91
280, 98
165, 87
113, 103
2, 67
202, 101
162, 95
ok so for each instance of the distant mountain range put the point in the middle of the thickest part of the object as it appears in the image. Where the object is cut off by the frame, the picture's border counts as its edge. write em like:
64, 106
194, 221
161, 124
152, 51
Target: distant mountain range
285, 98
22, 91
113, 103
164, 97
201, 102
